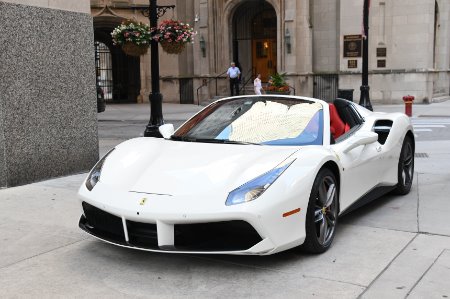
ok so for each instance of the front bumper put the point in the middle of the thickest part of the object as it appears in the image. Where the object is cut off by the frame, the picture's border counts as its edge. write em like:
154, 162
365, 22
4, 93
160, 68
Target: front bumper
214, 237
168, 223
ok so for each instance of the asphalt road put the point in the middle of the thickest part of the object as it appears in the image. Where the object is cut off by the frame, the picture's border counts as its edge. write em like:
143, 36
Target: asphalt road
125, 129
432, 128
426, 128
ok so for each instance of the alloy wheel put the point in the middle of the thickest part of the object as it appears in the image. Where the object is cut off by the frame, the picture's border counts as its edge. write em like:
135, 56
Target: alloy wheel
325, 211
407, 167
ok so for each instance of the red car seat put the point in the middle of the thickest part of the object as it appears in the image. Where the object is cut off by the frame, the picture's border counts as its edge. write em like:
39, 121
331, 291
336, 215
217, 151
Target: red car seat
337, 126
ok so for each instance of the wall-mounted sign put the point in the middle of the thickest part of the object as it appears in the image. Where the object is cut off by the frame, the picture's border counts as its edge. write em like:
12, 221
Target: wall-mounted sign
352, 63
381, 63
353, 45
381, 52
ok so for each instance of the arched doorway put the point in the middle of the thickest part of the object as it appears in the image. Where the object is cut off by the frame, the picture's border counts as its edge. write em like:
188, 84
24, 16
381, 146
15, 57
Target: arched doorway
254, 35
117, 73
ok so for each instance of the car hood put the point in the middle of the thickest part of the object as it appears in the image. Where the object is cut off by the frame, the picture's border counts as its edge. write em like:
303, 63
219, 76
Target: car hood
176, 168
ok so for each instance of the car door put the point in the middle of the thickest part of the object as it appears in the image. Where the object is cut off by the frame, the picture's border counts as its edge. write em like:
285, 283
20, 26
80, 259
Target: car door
361, 170
361, 165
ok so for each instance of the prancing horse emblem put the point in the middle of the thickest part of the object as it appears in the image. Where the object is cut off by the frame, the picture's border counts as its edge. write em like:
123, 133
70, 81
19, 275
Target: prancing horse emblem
142, 201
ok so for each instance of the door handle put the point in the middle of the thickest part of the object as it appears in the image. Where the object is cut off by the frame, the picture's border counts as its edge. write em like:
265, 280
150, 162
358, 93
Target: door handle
379, 148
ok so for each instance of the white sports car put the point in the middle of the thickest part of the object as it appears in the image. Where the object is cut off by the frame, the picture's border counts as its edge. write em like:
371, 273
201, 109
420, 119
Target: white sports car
248, 175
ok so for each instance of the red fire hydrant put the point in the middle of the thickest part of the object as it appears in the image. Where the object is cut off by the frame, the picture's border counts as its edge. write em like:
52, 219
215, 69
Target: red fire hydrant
408, 104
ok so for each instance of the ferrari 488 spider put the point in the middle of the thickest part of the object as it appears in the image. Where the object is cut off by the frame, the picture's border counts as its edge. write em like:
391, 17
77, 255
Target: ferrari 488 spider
248, 175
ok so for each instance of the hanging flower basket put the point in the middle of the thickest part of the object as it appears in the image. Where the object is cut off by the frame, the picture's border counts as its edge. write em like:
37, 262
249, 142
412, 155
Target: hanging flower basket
133, 37
172, 48
134, 50
173, 35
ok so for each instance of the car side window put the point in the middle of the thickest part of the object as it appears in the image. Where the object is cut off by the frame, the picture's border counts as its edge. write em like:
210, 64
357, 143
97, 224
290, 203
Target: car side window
350, 116
348, 133
355, 114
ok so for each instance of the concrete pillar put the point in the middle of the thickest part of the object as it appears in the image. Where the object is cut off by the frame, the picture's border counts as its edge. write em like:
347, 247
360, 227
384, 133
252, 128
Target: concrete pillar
48, 117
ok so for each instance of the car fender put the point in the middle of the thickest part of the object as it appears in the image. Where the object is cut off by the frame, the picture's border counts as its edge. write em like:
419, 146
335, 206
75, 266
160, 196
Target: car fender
294, 186
391, 149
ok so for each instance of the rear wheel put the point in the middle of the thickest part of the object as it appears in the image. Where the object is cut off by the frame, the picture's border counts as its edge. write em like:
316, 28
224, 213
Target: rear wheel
321, 217
405, 167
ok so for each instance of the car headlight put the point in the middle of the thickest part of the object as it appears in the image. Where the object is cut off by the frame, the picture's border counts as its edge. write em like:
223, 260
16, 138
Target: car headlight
94, 175
254, 188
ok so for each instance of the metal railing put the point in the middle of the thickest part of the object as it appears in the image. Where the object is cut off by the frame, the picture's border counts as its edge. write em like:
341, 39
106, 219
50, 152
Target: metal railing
206, 82
291, 87
250, 74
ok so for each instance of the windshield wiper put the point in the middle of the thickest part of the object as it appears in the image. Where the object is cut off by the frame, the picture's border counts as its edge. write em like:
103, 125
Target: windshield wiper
192, 139
225, 141
183, 138
210, 140
237, 142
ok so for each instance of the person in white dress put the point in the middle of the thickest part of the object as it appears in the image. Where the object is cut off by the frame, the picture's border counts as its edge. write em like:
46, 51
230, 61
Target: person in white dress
257, 84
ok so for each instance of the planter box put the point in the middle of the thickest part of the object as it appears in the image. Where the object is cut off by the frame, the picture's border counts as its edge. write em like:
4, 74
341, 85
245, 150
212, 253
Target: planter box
278, 92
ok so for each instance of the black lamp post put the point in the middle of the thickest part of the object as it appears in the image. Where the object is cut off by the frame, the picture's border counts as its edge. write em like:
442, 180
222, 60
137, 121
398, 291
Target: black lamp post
365, 98
154, 12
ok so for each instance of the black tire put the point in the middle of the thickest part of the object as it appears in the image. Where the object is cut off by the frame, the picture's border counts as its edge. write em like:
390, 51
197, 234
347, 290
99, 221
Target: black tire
322, 214
405, 173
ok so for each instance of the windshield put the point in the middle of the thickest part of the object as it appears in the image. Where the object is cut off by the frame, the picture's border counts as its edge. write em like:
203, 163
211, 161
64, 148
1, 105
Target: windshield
256, 120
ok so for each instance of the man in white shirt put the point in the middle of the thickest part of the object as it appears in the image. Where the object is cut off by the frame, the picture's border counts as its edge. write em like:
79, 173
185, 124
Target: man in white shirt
234, 74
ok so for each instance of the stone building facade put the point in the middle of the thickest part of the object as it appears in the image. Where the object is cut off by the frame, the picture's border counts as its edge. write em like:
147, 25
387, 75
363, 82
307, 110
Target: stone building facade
317, 43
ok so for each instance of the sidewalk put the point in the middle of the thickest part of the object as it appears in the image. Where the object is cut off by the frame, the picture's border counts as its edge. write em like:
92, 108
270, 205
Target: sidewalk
141, 112
392, 248
181, 112
441, 109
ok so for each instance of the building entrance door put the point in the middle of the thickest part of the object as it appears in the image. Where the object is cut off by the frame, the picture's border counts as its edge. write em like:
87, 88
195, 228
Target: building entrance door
264, 42
255, 39
264, 57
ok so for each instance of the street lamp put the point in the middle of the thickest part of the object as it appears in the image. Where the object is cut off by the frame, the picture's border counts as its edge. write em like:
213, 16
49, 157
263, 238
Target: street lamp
365, 98
153, 12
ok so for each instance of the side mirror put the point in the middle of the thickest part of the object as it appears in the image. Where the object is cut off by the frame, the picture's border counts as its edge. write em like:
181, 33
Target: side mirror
361, 138
166, 130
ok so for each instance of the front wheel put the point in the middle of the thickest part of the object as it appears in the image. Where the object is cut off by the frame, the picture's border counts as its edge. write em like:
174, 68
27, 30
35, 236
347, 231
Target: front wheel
405, 167
321, 217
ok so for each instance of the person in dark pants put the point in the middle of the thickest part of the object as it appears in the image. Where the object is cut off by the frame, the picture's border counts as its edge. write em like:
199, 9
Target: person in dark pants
234, 75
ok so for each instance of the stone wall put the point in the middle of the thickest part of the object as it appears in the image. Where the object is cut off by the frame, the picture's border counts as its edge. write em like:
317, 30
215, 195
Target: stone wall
406, 30
48, 121
389, 88
325, 27
403, 29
